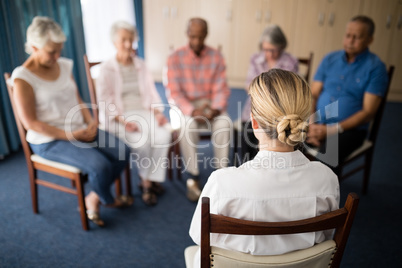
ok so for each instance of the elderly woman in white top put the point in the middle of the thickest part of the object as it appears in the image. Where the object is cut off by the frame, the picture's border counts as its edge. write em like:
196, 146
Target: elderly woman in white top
279, 184
130, 106
46, 97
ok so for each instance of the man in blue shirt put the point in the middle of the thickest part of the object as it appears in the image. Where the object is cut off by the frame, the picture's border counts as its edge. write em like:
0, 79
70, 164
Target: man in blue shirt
347, 92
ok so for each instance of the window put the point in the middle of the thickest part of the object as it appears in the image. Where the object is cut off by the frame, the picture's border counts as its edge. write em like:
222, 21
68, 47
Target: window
98, 17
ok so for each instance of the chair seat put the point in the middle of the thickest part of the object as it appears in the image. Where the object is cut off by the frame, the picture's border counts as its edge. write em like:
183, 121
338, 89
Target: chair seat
38, 159
317, 256
366, 145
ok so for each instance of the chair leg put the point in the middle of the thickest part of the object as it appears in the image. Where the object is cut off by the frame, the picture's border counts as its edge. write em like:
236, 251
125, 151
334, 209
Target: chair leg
236, 155
81, 201
367, 168
178, 159
34, 190
128, 180
118, 186
170, 164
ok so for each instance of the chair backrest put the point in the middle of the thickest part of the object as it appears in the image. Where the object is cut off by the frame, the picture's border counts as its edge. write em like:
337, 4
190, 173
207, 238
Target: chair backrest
21, 129
308, 62
341, 220
91, 85
375, 125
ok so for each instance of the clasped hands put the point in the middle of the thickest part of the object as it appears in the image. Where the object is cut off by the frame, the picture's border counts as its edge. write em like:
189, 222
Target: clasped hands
205, 112
87, 134
133, 127
318, 132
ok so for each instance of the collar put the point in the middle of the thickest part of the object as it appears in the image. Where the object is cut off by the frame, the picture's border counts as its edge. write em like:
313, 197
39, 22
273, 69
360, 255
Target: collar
115, 63
359, 57
202, 54
279, 160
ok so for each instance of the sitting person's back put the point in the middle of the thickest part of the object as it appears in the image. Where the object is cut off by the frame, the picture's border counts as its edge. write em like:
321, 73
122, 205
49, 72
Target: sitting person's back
279, 184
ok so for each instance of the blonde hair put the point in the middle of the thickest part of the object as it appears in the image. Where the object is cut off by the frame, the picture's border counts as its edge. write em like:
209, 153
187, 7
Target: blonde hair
281, 104
41, 31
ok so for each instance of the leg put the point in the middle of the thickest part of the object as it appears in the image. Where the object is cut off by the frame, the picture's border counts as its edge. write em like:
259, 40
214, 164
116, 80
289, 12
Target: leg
221, 131
189, 143
95, 159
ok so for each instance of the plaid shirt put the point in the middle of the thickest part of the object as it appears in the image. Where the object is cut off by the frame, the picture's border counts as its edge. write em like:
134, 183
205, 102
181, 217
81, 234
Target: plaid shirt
191, 78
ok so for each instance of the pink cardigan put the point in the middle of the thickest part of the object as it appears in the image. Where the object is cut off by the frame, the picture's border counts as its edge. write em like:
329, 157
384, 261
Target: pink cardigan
109, 86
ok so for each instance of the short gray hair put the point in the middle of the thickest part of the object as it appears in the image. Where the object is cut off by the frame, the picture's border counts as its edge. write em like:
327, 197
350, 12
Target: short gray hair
121, 24
365, 20
274, 35
41, 31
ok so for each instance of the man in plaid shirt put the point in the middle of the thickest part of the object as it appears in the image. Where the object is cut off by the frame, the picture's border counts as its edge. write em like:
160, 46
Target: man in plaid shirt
196, 81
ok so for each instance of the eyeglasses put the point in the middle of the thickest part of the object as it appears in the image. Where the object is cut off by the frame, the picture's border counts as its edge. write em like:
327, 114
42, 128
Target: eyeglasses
273, 51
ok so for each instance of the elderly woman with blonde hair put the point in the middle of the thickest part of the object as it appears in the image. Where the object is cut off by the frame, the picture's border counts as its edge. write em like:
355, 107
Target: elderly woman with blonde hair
130, 106
280, 183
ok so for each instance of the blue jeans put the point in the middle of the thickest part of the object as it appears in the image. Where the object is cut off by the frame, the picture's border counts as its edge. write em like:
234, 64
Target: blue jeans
103, 159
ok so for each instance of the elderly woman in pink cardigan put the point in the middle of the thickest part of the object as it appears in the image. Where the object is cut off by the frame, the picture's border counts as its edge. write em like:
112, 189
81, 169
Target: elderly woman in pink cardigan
130, 107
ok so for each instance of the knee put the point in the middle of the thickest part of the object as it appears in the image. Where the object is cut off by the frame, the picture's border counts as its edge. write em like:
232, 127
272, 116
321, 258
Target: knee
162, 136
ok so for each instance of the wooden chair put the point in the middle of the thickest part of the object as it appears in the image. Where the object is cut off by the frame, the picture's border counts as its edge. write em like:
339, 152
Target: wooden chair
366, 150
326, 254
92, 94
308, 62
35, 163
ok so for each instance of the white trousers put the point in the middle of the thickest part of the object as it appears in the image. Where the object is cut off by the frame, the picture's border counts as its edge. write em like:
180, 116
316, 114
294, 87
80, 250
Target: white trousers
149, 145
219, 128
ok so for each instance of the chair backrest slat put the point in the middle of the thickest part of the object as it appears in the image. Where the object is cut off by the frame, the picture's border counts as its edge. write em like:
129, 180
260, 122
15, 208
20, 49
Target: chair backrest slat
91, 86
21, 129
228, 225
308, 62
378, 116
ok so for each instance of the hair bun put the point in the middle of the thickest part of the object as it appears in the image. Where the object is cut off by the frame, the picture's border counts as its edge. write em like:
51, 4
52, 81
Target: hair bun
291, 129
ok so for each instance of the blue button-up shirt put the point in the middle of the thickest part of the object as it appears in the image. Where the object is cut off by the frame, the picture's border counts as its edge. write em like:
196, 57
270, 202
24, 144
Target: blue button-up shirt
344, 84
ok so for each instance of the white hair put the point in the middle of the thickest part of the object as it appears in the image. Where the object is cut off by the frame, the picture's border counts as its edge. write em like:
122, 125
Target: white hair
118, 25
41, 31
273, 34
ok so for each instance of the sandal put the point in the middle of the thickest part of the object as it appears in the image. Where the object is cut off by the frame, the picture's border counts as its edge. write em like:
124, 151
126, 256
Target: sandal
121, 201
95, 218
125, 200
149, 197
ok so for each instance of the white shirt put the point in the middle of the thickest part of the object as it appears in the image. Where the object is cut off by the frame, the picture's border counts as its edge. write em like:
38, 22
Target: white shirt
272, 187
131, 95
56, 101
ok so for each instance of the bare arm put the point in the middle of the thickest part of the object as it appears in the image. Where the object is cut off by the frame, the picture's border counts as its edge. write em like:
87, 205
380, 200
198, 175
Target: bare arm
24, 98
316, 88
371, 103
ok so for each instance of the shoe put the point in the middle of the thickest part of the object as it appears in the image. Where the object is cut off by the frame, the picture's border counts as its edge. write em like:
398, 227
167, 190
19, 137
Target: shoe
149, 197
95, 218
156, 187
193, 190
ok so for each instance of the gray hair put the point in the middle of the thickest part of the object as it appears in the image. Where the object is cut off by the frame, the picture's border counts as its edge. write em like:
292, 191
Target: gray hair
41, 31
274, 35
365, 20
119, 25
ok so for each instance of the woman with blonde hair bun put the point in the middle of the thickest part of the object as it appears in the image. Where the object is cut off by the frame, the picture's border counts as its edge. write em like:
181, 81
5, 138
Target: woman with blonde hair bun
280, 183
